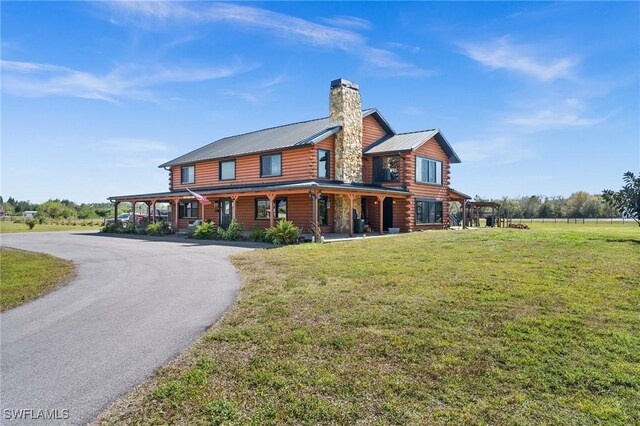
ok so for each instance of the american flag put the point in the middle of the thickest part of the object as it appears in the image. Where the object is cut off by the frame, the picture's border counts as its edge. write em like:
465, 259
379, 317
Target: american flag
199, 197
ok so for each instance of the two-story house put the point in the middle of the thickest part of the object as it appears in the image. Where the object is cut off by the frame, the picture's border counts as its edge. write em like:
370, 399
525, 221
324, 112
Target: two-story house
328, 171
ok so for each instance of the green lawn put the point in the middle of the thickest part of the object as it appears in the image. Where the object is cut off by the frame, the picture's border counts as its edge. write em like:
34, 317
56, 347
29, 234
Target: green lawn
7, 226
25, 275
489, 326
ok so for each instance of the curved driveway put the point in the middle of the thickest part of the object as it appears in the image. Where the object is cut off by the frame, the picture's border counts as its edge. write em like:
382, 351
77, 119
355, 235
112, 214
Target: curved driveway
134, 304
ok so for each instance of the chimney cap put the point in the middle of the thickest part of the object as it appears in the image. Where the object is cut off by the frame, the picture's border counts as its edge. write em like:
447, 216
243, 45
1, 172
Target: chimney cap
345, 83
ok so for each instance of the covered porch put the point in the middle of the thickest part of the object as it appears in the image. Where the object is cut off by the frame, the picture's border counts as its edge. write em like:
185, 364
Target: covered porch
315, 207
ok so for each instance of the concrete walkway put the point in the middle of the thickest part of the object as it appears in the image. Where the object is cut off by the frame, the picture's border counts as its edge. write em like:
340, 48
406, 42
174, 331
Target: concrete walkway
135, 304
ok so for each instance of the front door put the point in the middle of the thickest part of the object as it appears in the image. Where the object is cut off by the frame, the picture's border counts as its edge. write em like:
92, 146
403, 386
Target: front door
225, 212
387, 214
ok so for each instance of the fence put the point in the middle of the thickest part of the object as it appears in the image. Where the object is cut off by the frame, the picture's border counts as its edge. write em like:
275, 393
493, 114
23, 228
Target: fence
580, 220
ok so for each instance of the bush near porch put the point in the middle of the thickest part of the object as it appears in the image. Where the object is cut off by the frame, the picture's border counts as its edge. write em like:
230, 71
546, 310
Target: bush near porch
493, 326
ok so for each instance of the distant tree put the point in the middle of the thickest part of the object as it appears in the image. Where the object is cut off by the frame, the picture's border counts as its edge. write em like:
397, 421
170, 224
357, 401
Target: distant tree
56, 209
86, 212
575, 202
530, 206
592, 207
626, 200
546, 209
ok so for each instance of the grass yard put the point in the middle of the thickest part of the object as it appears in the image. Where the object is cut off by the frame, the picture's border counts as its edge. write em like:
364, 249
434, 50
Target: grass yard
26, 275
489, 326
7, 226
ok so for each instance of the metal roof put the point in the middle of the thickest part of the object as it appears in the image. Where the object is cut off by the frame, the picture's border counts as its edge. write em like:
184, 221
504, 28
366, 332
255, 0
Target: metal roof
311, 184
411, 141
274, 138
308, 133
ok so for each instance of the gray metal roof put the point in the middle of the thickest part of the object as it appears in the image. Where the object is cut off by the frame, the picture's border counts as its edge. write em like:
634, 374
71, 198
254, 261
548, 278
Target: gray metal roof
411, 141
274, 138
311, 184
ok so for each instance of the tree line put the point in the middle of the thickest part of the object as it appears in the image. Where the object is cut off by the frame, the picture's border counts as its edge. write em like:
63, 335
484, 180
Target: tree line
578, 205
61, 209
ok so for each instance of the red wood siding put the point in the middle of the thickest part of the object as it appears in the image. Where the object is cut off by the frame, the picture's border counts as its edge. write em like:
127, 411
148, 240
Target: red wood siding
431, 149
299, 210
371, 132
297, 164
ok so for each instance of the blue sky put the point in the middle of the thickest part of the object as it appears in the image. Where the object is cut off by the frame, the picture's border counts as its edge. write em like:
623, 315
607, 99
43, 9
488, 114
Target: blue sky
536, 98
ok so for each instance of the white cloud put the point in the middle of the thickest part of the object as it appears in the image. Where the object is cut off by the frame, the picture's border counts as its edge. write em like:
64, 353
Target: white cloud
289, 28
567, 113
256, 93
126, 81
503, 54
349, 22
494, 150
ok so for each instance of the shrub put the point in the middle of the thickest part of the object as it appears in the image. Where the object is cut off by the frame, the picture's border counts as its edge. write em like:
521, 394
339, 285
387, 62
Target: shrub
111, 228
30, 223
158, 229
257, 234
206, 231
233, 231
285, 232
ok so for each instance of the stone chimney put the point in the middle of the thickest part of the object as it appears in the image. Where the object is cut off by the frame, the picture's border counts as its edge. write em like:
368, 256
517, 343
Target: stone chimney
345, 109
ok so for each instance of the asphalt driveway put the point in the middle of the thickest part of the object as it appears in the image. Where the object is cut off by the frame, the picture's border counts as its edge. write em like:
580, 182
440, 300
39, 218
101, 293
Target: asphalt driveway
134, 305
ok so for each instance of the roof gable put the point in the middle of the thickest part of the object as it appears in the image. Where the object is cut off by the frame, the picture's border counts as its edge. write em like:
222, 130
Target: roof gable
412, 141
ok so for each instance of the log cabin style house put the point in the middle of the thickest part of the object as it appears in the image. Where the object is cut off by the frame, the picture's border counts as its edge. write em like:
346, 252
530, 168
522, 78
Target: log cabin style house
332, 174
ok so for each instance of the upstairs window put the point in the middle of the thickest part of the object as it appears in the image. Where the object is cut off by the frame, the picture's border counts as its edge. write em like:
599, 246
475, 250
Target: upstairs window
228, 170
428, 212
428, 171
188, 174
324, 157
386, 169
271, 165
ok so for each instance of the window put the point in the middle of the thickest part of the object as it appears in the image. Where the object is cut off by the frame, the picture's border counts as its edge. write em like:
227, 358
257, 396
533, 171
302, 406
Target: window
323, 211
324, 157
228, 170
428, 171
428, 211
262, 208
271, 165
386, 169
188, 210
188, 174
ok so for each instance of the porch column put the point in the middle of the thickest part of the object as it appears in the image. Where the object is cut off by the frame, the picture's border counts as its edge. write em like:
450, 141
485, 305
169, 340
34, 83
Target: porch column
153, 212
174, 214
381, 213
351, 197
115, 212
464, 214
234, 198
202, 215
133, 205
148, 203
272, 219
315, 226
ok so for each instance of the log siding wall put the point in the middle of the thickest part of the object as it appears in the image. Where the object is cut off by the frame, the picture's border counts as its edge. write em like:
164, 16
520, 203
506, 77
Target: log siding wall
297, 164
432, 150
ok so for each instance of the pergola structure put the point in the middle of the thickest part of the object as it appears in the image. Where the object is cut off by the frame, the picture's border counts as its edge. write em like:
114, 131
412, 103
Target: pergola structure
460, 197
313, 189
475, 209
